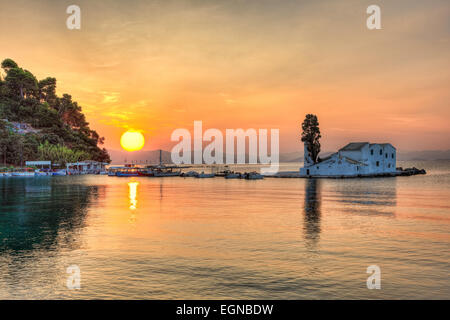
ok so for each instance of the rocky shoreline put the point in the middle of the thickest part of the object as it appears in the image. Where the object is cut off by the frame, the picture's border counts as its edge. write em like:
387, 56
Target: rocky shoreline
400, 172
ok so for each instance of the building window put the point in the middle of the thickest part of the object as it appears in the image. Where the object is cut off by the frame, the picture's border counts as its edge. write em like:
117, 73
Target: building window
378, 163
392, 156
381, 152
371, 152
386, 155
307, 172
389, 165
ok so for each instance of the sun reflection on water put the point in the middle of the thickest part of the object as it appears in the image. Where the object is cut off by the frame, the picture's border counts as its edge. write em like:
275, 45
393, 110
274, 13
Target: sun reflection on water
133, 194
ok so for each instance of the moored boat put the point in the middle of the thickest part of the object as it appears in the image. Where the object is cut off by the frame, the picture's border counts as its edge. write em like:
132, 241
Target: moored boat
5, 174
112, 171
232, 175
127, 173
205, 175
253, 176
146, 172
41, 173
189, 174
166, 172
26, 172
61, 172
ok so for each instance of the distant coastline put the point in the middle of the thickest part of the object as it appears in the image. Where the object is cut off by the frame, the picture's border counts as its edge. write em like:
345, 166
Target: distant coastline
152, 156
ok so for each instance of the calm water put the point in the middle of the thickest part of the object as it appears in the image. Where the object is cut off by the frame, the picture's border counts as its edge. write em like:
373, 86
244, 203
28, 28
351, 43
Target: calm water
187, 238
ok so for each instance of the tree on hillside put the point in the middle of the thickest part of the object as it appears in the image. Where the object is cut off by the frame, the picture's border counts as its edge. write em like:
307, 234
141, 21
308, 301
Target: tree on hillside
8, 64
311, 136
47, 90
60, 154
21, 82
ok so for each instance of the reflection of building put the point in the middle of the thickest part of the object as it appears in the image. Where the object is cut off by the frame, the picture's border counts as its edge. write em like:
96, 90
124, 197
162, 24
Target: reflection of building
355, 159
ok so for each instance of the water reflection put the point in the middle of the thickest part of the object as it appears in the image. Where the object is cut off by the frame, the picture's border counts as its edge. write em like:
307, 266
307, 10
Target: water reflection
132, 186
40, 219
43, 213
132, 195
312, 211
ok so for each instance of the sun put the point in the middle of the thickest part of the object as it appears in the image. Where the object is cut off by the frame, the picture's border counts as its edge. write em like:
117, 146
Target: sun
132, 140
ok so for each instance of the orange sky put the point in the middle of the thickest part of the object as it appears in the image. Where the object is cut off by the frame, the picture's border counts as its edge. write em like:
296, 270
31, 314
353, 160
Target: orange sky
157, 66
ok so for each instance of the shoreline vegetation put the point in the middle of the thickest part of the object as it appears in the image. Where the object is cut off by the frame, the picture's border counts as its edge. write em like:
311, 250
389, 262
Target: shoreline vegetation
36, 124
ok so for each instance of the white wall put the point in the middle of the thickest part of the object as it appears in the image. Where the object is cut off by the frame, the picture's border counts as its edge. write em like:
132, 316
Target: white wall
385, 164
383, 155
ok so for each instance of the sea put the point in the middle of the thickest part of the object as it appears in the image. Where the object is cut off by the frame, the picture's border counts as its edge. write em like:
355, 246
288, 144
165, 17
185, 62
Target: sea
100, 237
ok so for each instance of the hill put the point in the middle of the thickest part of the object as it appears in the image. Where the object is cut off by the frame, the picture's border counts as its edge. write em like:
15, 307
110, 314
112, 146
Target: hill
36, 124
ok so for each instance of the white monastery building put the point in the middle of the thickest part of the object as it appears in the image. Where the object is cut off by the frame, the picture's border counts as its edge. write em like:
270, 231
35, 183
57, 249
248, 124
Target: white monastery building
355, 159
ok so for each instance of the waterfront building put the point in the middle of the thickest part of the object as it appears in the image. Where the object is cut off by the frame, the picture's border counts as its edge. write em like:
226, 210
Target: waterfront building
355, 159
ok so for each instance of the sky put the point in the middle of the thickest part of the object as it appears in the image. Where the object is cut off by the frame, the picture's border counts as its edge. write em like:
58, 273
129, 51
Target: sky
156, 66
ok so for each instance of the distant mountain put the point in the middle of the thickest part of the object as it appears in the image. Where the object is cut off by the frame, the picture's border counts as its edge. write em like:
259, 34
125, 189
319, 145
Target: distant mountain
424, 155
152, 157
139, 157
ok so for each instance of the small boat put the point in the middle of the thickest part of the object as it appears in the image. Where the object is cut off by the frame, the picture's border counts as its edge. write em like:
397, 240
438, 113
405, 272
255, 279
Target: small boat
205, 175
190, 174
253, 176
232, 175
162, 170
26, 172
128, 172
61, 172
145, 173
41, 173
167, 173
112, 171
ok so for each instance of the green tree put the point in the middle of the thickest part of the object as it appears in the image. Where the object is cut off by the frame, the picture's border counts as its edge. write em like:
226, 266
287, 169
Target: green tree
311, 136
47, 91
21, 82
4, 141
60, 154
9, 64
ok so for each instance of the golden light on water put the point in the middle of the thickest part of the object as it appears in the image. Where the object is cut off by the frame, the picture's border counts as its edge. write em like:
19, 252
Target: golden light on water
133, 194
132, 141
